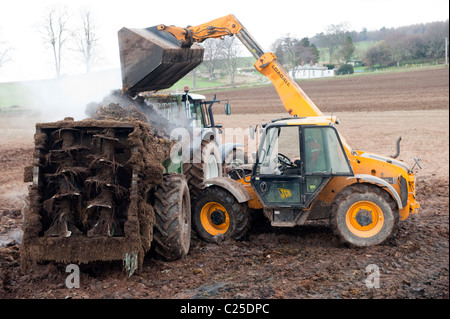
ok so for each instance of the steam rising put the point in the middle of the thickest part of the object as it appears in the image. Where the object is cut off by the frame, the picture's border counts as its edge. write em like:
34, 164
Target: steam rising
118, 105
79, 97
68, 96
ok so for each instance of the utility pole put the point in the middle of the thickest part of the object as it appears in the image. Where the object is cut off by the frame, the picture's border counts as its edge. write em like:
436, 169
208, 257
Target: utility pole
446, 51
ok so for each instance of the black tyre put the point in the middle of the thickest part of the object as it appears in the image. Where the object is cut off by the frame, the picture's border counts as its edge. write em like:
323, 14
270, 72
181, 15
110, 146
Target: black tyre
218, 215
172, 206
203, 165
364, 215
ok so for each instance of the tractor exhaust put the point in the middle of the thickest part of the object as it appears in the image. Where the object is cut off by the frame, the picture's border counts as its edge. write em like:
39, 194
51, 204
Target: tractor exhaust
397, 152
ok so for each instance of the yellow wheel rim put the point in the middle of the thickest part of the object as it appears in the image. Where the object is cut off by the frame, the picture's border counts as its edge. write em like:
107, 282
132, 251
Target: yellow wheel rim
364, 219
214, 218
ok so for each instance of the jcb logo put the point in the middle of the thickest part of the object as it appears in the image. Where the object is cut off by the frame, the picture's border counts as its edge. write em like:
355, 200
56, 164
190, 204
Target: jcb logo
284, 193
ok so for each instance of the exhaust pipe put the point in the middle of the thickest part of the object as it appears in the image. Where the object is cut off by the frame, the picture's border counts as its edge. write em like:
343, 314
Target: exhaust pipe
397, 148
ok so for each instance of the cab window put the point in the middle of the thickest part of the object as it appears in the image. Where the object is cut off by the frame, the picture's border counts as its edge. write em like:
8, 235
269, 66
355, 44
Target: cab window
196, 114
281, 150
324, 154
170, 110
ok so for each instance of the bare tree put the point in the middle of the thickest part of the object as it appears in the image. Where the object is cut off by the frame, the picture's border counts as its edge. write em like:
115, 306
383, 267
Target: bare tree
345, 52
56, 33
4, 50
397, 44
293, 52
286, 51
378, 54
230, 50
213, 50
4, 53
434, 36
87, 39
194, 78
334, 37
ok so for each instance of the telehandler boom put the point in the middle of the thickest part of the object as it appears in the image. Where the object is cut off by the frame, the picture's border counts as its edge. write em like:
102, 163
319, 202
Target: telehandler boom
167, 53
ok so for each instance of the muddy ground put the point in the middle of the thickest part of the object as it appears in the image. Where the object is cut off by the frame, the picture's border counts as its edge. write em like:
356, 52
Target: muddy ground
303, 262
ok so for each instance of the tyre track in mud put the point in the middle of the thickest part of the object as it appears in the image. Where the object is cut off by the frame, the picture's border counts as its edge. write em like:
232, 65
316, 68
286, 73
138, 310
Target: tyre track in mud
303, 262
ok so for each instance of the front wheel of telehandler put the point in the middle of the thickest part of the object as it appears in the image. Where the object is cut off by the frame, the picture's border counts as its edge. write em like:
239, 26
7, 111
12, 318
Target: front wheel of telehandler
364, 215
218, 215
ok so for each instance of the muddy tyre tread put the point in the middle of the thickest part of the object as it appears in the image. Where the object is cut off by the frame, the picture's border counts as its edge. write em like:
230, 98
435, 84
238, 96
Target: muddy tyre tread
168, 238
362, 188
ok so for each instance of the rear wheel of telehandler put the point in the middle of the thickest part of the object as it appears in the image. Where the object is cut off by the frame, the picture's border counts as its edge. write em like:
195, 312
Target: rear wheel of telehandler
364, 215
218, 215
172, 232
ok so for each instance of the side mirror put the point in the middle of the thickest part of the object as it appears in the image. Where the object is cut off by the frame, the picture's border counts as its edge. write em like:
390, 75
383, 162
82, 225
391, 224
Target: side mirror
227, 109
251, 132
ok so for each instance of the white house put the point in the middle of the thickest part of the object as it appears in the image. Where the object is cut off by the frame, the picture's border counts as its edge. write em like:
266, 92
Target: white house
308, 71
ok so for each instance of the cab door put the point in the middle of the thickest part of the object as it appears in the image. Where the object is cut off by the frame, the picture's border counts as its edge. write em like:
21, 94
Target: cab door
324, 157
277, 177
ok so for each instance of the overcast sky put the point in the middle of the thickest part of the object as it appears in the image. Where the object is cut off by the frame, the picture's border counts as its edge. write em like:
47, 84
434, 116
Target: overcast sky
266, 21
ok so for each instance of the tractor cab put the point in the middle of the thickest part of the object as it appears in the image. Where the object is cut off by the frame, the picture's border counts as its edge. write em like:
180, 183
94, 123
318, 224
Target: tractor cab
186, 108
296, 159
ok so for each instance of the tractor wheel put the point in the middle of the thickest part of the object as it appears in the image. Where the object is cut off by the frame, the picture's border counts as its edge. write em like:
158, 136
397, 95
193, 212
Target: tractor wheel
218, 215
364, 215
172, 206
203, 165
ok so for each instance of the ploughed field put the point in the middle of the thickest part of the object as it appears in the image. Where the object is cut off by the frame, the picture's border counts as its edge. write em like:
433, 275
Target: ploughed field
302, 262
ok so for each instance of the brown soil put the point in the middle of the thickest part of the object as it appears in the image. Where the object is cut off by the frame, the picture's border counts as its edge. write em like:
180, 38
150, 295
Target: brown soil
411, 90
301, 262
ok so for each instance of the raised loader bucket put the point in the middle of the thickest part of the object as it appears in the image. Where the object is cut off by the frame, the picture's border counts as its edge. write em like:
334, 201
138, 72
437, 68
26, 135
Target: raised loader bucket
153, 60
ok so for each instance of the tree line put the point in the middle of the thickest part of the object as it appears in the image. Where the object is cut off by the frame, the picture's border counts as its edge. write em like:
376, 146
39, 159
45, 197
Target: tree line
393, 46
423, 42
387, 47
